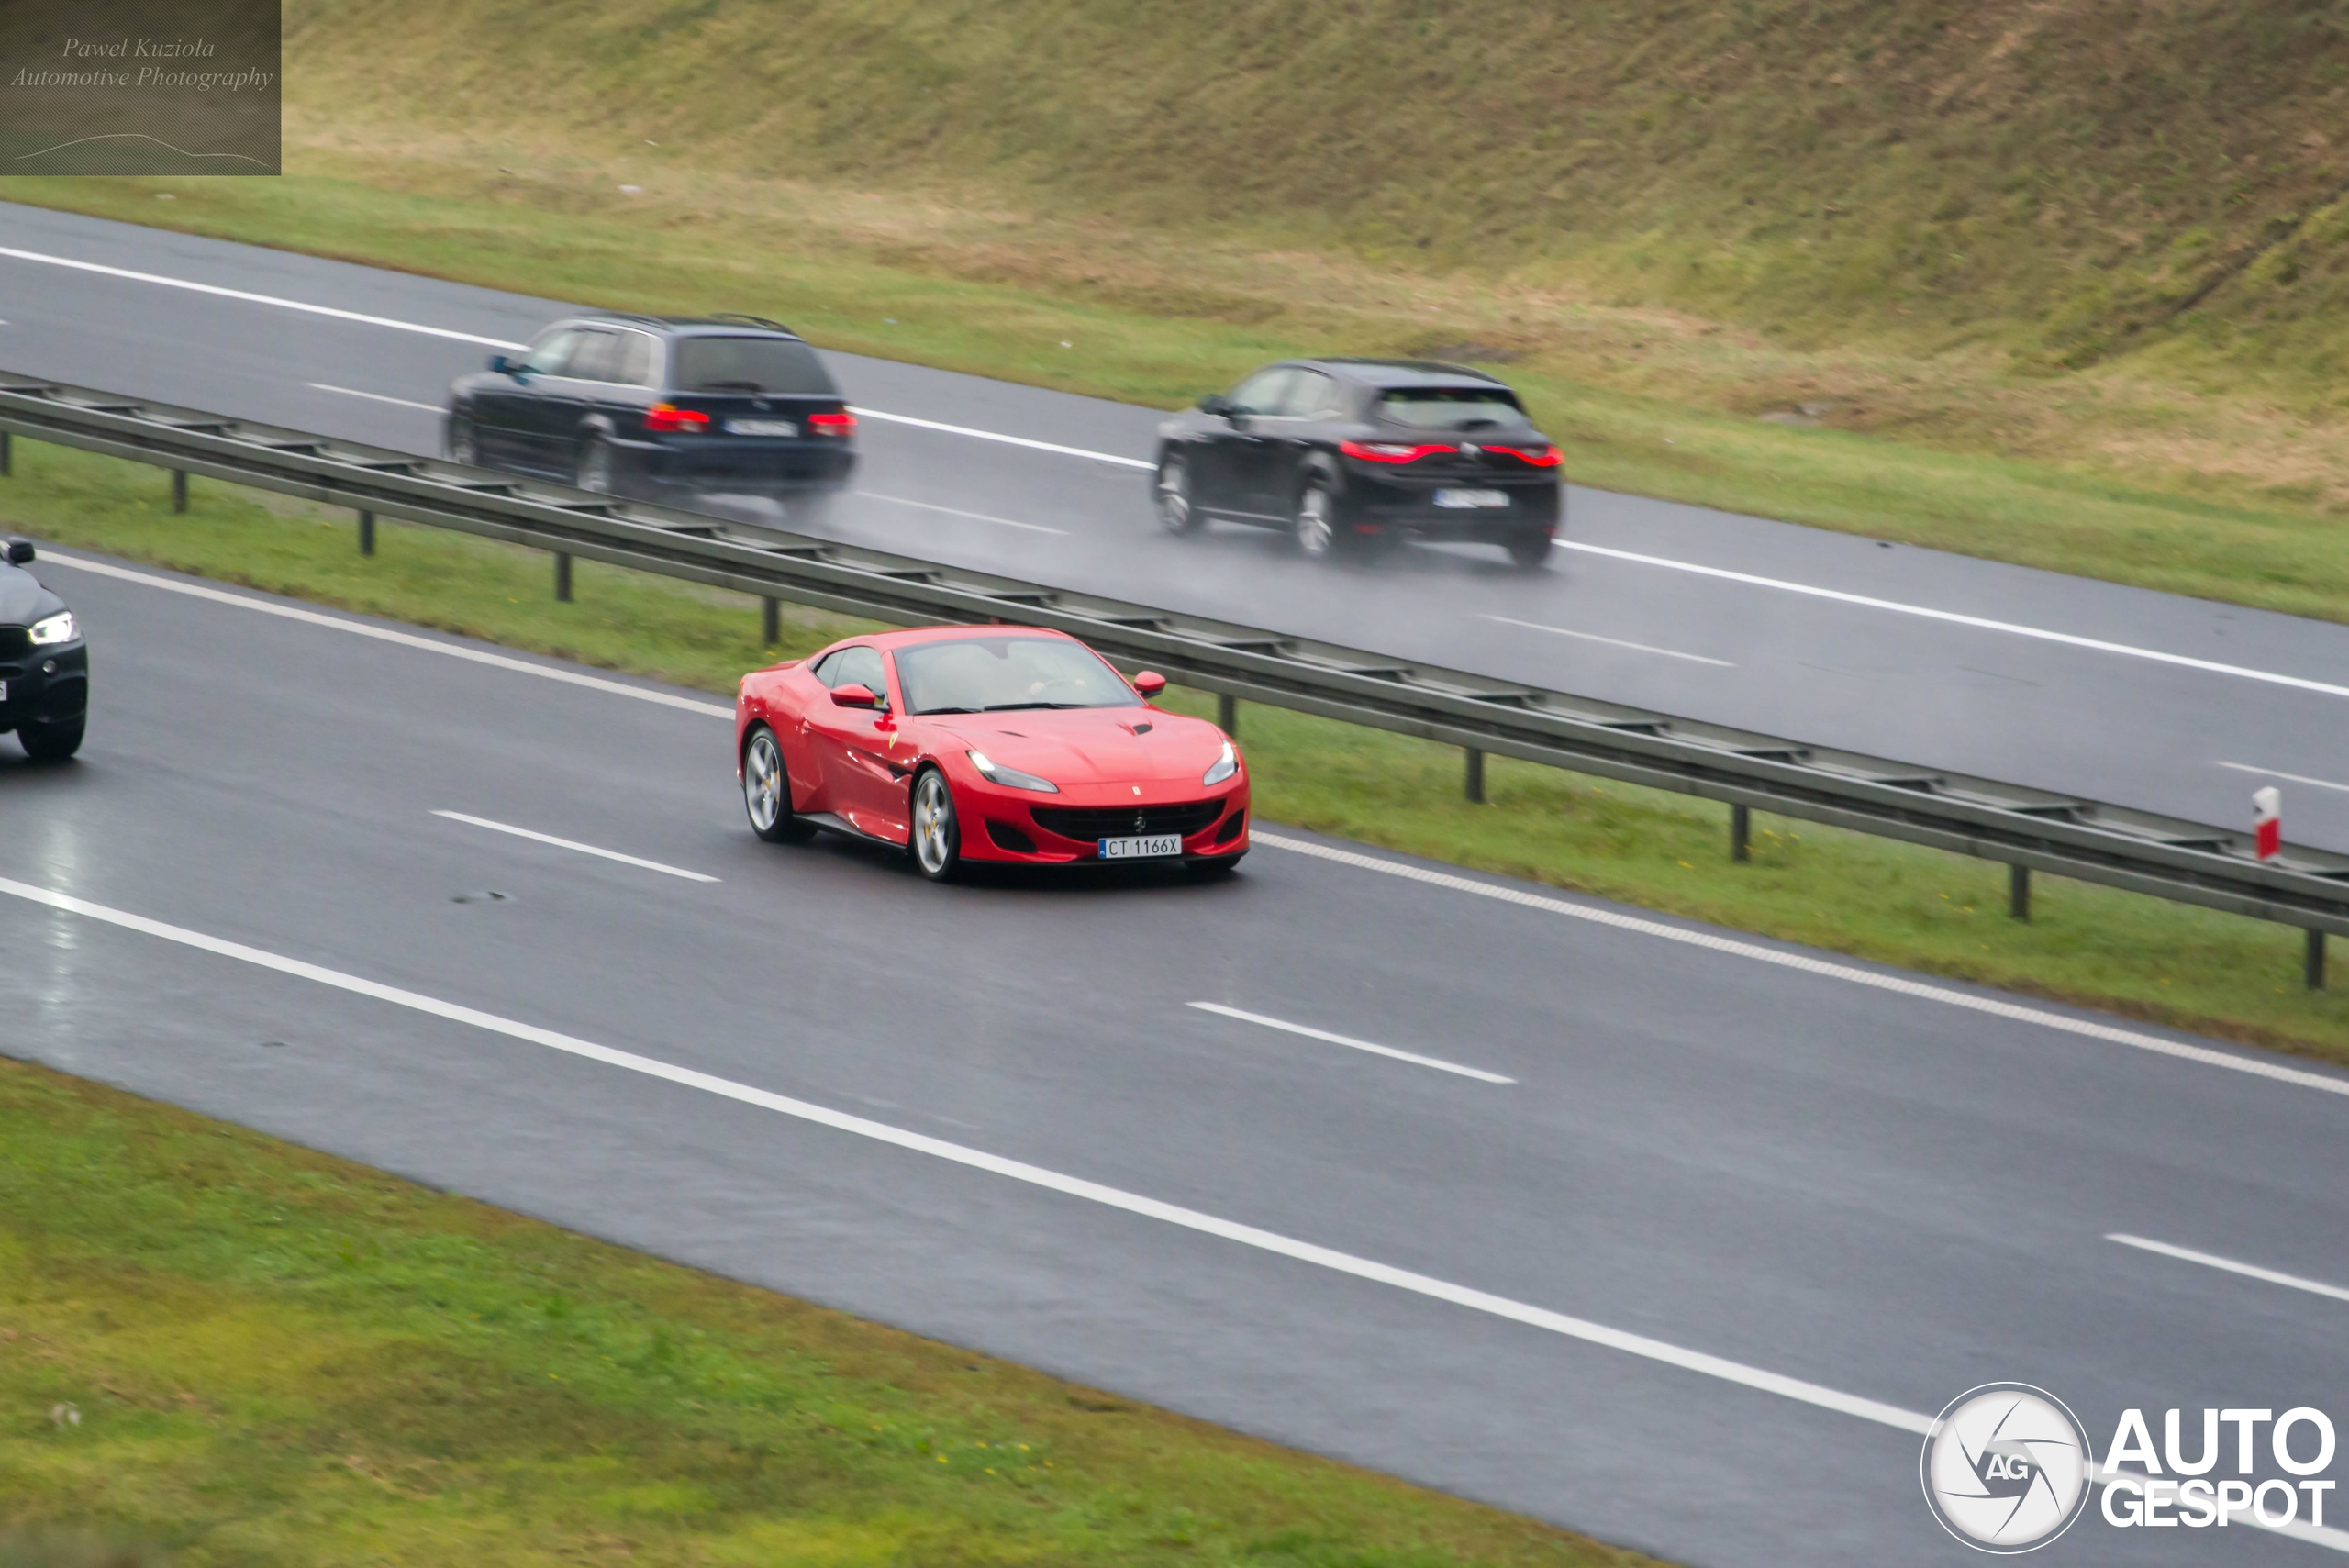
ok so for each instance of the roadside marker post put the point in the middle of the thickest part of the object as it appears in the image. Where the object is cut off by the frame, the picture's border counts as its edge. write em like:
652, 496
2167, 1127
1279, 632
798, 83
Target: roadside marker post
2268, 822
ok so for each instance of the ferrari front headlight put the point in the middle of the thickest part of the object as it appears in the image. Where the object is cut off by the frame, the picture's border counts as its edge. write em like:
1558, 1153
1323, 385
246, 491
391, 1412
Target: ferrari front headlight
59, 628
1010, 778
1224, 767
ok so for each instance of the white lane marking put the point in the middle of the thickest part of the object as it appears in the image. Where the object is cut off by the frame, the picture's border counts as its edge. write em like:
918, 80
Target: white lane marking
2249, 1271
996, 1165
384, 634
1808, 965
1440, 1066
249, 297
1611, 642
1007, 440
956, 512
574, 844
2289, 778
1979, 623
376, 397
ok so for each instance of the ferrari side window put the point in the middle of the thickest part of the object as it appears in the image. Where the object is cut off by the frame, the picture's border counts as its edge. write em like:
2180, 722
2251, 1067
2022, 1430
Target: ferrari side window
855, 667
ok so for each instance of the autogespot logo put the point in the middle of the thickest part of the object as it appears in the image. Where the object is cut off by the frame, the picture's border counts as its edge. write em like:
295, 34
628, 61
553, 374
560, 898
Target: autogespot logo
2006, 1467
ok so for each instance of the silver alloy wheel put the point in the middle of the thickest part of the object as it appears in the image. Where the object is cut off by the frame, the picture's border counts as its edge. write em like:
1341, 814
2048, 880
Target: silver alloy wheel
595, 467
933, 824
763, 782
460, 443
1174, 496
1315, 533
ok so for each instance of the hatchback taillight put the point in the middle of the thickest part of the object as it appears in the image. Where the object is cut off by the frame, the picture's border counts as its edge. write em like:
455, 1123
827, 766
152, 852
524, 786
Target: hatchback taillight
1540, 457
667, 419
836, 425
1391, 452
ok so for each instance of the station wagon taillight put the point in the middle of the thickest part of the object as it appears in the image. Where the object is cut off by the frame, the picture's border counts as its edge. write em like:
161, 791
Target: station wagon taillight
1392, 452
668, 419
836, 425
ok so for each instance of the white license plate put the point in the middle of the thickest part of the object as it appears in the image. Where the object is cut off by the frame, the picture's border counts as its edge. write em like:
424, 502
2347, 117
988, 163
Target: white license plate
1152, 846
1463, 500
761, 428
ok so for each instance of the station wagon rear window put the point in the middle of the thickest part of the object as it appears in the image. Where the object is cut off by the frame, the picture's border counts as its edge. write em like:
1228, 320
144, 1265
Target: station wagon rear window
748, 364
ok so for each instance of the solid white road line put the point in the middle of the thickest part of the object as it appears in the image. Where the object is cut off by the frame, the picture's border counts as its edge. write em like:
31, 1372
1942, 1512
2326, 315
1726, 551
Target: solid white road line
384, 634
249, 297
375, 397
956, 512
1007, 440
1810, 966
2287, 778
995, 1164
573, 844
2249, 1271
1976, 622
1369, 862
1476, 1073
1611, 642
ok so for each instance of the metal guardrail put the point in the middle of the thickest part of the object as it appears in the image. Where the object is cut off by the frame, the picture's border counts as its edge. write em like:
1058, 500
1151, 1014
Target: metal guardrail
2027, 829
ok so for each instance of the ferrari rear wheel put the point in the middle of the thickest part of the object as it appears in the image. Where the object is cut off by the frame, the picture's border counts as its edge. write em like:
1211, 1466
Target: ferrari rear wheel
937, 835
767, 792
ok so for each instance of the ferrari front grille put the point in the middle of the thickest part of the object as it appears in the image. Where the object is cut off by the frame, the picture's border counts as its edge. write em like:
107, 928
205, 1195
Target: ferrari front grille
1086, 823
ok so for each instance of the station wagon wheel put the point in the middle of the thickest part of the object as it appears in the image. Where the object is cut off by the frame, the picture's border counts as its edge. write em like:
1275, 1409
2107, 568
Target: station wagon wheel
767, 792
596, 466
1317, 534
462, 448
1176, 513
937, 835
1530, 553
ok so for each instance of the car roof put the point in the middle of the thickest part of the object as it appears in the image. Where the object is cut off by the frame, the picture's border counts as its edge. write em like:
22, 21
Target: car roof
719, 326
1389, 373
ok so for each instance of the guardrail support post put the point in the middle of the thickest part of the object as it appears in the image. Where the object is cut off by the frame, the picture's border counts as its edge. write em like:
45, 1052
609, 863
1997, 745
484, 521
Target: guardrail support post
562, 577
179, 490
1475, 779
1227, 713
1741, 833
2018, 892
2312, 965
770, 621
366, 533
7, 457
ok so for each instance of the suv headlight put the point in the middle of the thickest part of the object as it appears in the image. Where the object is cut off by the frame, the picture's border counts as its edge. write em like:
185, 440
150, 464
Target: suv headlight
59, 628
1224, 766
1010, 778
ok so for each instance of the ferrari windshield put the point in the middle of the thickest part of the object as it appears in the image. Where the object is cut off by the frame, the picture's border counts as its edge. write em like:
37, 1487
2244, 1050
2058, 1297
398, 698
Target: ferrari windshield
993, 674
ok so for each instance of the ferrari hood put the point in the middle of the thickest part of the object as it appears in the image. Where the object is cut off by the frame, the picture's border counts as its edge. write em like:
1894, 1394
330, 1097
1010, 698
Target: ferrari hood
1094, 745
22, 599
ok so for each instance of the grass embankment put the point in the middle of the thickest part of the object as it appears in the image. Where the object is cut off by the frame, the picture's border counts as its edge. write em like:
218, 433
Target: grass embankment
242, 1353
1964, 236
1945, 914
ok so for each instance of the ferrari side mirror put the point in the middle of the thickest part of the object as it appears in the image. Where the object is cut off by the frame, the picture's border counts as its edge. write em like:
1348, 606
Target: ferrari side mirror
1150, 682
854, 695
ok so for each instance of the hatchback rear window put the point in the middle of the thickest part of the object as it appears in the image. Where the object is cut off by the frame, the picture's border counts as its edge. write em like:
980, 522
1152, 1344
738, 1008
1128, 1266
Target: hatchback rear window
1453, 408
748, 364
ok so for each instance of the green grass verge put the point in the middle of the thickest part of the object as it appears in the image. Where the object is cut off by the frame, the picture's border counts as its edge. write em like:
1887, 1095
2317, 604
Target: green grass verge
2218, 973
2153, 521
240, 1352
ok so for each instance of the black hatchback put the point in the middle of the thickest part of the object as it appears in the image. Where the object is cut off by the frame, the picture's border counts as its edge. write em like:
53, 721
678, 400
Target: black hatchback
1346, 453
44, 662
662, 408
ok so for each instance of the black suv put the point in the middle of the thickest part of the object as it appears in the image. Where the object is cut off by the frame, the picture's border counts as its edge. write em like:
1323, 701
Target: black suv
660, 409
1346, 453
44, 663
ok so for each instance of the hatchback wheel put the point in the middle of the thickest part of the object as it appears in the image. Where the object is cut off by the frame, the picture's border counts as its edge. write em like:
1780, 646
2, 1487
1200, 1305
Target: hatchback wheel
1176, 513
596, 466
1316, 526
767, 792
937, 836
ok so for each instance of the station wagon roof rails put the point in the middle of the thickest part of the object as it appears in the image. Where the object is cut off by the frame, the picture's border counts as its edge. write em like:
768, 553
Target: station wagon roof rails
748, 321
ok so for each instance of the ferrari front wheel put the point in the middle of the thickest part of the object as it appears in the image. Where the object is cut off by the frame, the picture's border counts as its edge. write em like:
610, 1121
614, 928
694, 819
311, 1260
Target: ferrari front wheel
937, 835
767, 792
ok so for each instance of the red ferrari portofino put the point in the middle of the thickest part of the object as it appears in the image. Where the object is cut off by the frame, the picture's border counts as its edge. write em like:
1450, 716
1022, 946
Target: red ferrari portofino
1004, 744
